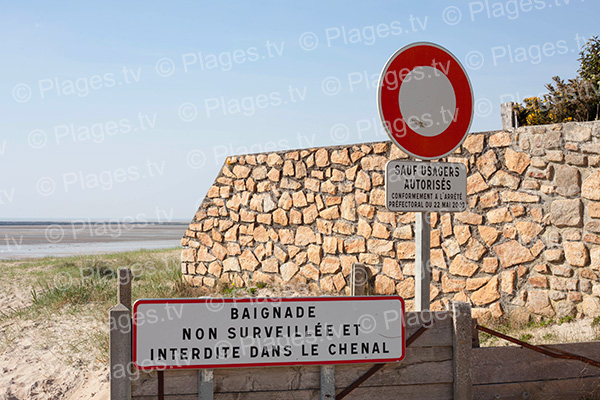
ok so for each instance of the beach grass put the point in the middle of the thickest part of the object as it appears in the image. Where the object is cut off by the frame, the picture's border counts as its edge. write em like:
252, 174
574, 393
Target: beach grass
85, 288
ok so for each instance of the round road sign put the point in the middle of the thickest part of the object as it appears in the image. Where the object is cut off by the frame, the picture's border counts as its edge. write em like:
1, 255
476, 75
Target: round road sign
425, 100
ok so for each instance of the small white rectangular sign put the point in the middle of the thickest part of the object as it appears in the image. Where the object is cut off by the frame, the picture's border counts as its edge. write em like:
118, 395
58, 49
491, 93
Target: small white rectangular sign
425, 186
250, 332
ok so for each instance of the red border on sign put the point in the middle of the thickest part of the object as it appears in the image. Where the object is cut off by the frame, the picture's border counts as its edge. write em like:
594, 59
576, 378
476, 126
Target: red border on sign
399, 65
264, 299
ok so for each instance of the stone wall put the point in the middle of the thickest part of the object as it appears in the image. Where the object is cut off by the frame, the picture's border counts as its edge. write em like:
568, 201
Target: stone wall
529, 241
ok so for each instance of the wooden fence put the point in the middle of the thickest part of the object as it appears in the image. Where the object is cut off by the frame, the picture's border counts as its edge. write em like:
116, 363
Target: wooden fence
519, 373
425, 373
440, 363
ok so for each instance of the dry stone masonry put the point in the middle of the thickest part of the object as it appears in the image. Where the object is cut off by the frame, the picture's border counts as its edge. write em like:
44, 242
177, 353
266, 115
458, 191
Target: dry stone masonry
528, 243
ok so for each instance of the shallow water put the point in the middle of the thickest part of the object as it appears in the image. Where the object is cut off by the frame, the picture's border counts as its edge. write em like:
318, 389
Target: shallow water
65, 239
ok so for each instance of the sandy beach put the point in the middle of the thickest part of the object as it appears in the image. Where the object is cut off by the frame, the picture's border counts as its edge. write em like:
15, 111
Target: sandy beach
58, 349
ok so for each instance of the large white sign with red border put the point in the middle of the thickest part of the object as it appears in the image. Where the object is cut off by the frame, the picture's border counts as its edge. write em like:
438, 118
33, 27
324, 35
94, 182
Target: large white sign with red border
252, 332
425, 100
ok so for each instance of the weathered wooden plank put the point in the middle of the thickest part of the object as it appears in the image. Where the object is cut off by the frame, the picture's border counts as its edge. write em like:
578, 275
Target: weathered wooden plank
418, 365
439, 332
275, 395
411, 392
550, 389
168, 397
517, 364
176, 382
415, 319
463, 344
397, 374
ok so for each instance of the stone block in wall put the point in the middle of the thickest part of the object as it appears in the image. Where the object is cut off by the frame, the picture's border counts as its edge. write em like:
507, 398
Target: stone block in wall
591, 148
476, 283
593, 209
519, 197
591, 306
503, 178
339, 282
271, 264
348, 208
576, 159
463, 267
452, 285
537, 248
509, 231
486, 164
512, 253
377, 197
499, 215
204, 255
406, 288
577, 132
354, 245
576, 253
474, 143
248, 260
462, 233
330, 265
384, 285
451, 247
591, 238
304, 236
231, 264
380, 231
515, 161
567, 180
540, 282
563, 284
288, 270
595, 258
468, 217
488, 234
539, 303
373, 163
381, 247
489, 265
554, 255
500, 139
475, 250
489, 199
562, 270
592, 226
487, 293
566, 212
528, 230
476, 184
590, 188
405, 250
446, 221
347, 262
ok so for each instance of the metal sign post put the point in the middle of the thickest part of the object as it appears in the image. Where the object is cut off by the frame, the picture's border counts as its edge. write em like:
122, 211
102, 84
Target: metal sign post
422, 252
425, 103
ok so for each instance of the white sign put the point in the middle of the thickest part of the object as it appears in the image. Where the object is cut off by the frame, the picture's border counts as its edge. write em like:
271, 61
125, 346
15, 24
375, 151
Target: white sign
250, 332
425, 186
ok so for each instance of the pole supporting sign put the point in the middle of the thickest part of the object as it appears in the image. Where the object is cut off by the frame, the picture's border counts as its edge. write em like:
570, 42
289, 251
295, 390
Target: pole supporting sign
252, 332
425, 186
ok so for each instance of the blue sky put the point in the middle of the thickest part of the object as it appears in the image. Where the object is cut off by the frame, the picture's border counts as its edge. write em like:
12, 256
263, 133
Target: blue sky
127, 110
